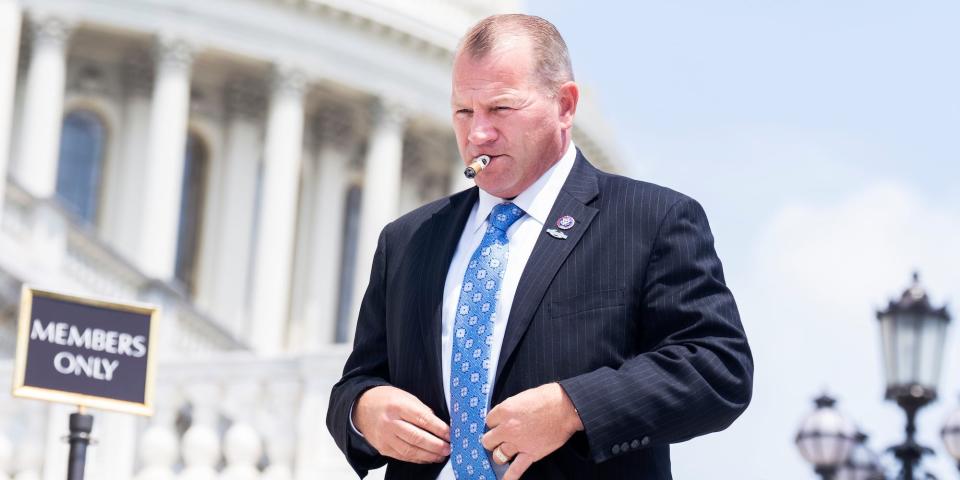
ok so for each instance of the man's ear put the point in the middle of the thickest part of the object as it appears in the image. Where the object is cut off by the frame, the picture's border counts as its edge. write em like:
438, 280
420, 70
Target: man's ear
567, 97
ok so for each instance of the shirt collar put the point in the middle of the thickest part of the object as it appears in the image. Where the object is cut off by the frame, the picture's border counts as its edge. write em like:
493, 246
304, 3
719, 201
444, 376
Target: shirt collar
538, 198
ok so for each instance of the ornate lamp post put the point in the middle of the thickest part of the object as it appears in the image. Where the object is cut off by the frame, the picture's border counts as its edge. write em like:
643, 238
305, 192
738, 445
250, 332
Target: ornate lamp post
912, 333
826, 438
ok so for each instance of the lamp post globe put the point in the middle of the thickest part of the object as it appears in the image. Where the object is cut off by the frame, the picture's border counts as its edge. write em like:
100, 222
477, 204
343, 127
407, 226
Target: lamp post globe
951, 435
825, 438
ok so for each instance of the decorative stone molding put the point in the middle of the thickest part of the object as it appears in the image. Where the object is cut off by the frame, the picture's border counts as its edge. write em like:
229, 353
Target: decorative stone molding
49, 30
288, 80
420, 44
173, 52
389, 110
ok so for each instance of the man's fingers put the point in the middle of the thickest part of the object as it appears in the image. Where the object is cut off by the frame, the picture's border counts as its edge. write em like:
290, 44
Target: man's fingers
493, 416
426, 420
402, 450
519, 465
492, 438
422, 439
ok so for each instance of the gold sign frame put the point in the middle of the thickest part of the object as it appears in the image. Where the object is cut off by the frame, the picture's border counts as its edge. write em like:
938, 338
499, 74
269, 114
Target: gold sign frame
21, 390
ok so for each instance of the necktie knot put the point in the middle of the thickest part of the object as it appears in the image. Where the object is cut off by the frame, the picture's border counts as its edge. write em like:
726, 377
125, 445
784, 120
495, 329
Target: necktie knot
504, 215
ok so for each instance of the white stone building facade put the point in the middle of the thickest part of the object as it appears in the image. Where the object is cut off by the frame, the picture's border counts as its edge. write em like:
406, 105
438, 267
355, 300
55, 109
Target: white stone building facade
233, 162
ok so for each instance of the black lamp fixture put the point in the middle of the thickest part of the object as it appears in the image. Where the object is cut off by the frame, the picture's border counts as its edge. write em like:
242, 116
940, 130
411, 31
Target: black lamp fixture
912, 335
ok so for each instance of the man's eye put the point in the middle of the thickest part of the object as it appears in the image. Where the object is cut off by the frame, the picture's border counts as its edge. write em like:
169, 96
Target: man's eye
464, 111
502, 108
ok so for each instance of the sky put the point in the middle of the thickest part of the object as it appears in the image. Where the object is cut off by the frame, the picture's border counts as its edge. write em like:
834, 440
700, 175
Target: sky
822, 139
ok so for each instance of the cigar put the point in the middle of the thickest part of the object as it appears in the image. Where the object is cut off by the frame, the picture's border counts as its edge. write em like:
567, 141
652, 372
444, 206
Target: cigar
476, 166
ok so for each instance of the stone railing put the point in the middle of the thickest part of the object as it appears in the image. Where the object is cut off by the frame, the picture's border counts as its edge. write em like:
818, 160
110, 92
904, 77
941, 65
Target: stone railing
240, 416
233, 416
22, 429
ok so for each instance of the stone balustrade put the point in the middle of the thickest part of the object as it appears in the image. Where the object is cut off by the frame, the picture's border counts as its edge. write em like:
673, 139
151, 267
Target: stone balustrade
232, 416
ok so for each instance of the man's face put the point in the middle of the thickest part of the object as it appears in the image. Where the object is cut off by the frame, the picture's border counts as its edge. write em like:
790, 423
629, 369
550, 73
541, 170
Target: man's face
501, 109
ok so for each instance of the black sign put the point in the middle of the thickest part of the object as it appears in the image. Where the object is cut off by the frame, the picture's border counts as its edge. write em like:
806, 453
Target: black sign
86, 352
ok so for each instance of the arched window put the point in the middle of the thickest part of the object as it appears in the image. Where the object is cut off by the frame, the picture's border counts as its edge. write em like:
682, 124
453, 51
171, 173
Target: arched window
80, 165
195, 160
351, 229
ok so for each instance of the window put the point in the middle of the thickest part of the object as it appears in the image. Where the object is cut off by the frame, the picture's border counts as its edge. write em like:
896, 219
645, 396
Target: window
195, 160
81, 162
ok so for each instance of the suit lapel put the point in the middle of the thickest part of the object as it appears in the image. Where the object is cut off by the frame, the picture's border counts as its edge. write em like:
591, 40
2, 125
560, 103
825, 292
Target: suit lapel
436, 251
549, 253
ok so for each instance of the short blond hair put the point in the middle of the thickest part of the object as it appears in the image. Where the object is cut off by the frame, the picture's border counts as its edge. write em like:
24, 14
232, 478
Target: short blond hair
551, 57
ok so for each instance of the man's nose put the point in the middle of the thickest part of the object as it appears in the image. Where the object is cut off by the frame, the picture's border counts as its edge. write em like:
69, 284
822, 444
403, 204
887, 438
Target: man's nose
482, 132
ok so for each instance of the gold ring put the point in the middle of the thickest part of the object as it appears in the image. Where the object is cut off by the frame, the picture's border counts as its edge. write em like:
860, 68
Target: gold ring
500, 456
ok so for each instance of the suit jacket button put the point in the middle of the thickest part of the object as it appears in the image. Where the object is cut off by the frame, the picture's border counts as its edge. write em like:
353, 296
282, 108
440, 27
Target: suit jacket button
616, 449
635, 444
645, 441
624, 447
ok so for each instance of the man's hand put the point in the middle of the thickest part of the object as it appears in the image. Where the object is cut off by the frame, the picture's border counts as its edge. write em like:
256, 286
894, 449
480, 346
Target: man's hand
400, 426
530, 425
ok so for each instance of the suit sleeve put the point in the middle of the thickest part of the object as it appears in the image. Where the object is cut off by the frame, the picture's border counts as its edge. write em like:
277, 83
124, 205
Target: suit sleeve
695, 372
365, 368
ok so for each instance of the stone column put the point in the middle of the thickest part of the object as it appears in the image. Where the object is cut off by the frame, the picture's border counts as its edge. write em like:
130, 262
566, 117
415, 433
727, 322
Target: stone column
124, 193
277, 212
381, 191
336, 131
36, 159
228, 282
10, 19
159, 220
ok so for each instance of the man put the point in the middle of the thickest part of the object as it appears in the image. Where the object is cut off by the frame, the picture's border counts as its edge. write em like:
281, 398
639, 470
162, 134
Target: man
556, 321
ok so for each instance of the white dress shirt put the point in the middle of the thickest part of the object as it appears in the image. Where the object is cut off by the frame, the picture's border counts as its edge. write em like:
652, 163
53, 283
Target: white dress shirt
537, 201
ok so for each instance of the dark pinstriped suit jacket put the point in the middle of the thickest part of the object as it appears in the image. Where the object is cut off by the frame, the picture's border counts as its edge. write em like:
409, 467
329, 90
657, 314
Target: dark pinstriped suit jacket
630, 314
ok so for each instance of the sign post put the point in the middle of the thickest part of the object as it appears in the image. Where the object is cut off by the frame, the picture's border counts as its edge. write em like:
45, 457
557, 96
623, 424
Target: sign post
81, 424
85, 352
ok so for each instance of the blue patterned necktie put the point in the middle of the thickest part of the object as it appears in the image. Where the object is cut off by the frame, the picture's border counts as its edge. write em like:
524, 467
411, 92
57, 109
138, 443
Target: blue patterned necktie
473, 335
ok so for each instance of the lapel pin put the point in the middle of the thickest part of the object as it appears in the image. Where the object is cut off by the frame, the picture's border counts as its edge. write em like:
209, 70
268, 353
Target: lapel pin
566, 222
557, 233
